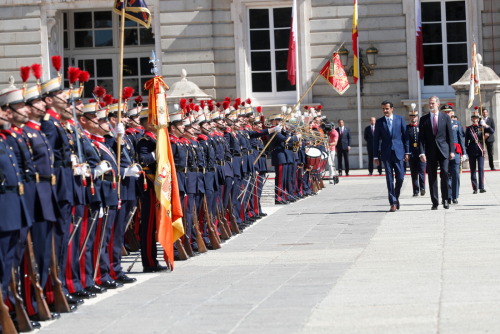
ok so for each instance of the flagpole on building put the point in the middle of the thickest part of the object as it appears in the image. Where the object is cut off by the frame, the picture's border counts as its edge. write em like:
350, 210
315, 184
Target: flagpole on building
295, 23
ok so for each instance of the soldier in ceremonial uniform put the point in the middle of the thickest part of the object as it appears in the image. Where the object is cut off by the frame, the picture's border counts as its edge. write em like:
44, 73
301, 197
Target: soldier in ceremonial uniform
15, 216
455, 163
94, 209
474, 145
129, 172
146, 148
260, 167
417, 167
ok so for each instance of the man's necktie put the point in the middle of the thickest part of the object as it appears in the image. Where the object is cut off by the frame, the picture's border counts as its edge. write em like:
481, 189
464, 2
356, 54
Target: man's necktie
389, 123
434, 124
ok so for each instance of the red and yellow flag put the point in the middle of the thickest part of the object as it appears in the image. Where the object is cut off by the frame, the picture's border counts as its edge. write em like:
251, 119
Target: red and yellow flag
355, 42
335, 75
169, 226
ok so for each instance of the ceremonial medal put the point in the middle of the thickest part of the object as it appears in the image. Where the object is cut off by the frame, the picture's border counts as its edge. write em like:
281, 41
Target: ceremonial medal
414, 144
53, 180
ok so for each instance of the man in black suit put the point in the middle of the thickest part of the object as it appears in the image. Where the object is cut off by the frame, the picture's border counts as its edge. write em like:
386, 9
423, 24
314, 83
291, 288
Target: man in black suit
368, 135
343, 146
489, 137
436, 148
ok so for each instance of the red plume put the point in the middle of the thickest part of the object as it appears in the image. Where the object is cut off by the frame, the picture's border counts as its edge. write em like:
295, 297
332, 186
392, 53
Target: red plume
37, 71
83, 77
227, 99
108, 99
202, 103
319, 107
476, 107
306, 107
218, 104
91, 100
99, 91
138, 100
73, 74
243, 103
211, 107
102, 104
249, 101
114, 101
225, 104
57, 63
196, 108
182, 103
450, 104
25, 73
259, 109
127, 93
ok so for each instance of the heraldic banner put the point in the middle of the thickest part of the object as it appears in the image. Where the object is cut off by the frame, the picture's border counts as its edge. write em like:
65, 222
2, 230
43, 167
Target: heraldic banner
168, 209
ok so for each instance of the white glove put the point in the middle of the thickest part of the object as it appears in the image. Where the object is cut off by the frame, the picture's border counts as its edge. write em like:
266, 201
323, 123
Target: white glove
80, 170
101, 213
120, 129
131, 171
154, 155
102, 168
464, 158
277, 128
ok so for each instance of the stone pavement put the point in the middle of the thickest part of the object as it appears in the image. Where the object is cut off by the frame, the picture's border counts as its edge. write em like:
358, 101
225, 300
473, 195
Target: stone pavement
337, 262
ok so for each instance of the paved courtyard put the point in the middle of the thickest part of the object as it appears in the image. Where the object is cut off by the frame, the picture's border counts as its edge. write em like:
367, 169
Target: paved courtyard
337, 262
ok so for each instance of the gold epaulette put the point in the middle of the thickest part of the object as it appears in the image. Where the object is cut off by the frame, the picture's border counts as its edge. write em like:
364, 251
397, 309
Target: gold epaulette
46, 117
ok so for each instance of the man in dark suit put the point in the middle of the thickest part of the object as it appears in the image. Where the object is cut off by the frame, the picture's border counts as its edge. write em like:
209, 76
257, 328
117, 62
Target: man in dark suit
343, 147
489, 137
368, 135
391, 144
436, 148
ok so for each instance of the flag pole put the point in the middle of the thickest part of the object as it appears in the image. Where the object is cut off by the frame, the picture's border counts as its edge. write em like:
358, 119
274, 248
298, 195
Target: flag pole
358, 98
295, 23
120, 92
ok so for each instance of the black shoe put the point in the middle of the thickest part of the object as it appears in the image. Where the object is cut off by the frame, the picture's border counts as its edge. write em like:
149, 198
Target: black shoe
83, 294
340, 173
493, 168
434, 207
474, 192
154, 269
346, 173
482, 190
124, 279
262, 214
73, 308
397, 205
446, 205
422, 192
96, 289
370, 173
73, 300
110, 284
281, 202
36, 325
415, 194
455, 201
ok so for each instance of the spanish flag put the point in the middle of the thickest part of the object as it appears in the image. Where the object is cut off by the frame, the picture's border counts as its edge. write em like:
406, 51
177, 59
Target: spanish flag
169, 226
135, 10
355, 41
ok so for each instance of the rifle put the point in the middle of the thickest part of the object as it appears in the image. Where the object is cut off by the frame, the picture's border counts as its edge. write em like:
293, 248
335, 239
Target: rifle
214, 238
101, 242
202, 248
94, 219
5, 319
181, 251
225, 230
185, 239
23, 321
232, 220
60, 302
43, 308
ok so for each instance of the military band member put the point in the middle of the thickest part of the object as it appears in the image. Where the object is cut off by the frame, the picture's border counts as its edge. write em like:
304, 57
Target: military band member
476, 151
417, 167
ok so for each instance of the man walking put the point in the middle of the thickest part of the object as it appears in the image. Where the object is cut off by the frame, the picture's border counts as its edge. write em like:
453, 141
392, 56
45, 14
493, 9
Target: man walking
436, 148
391, 144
